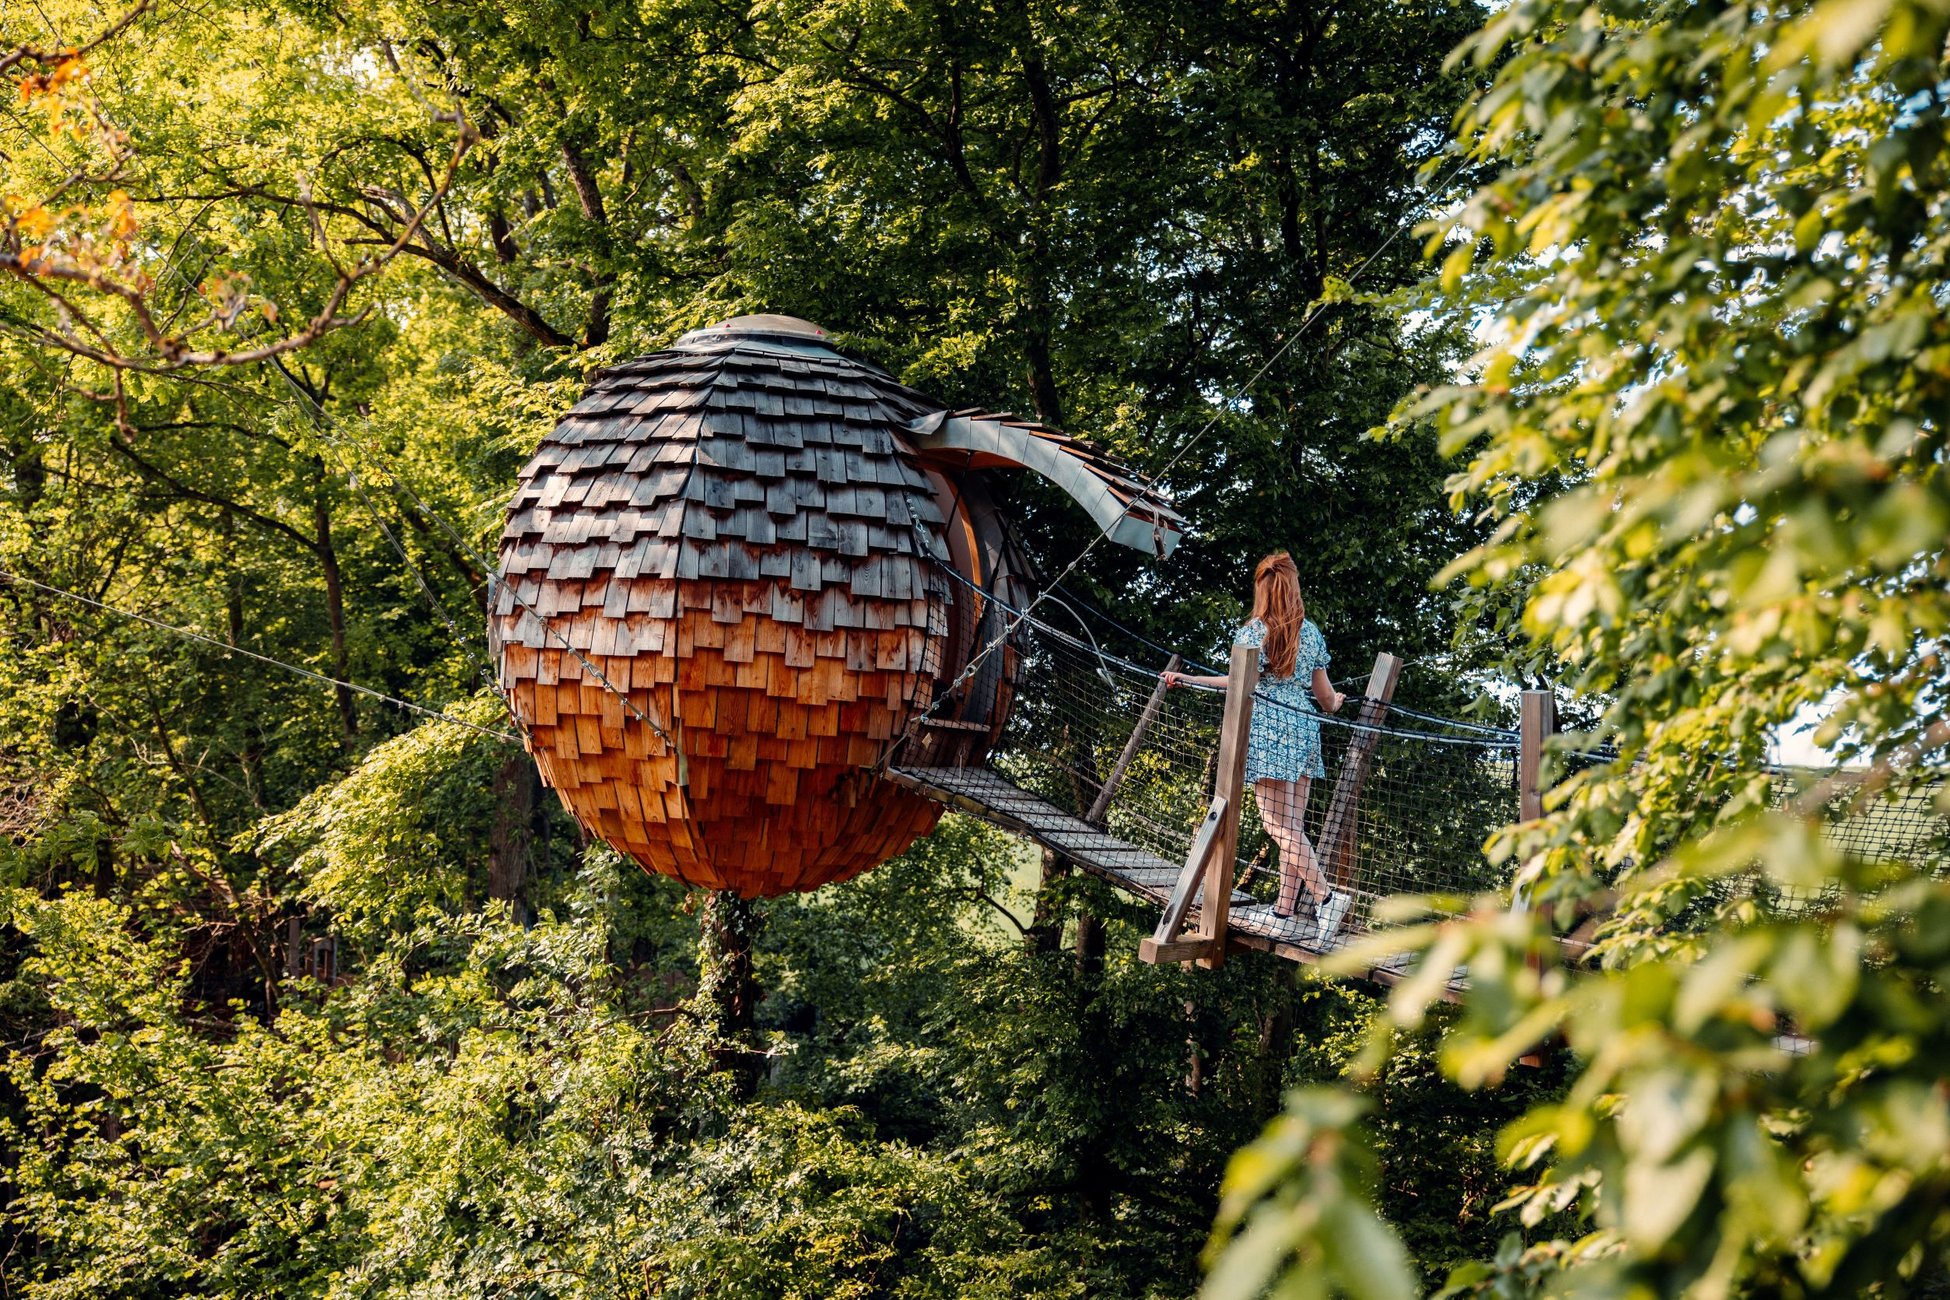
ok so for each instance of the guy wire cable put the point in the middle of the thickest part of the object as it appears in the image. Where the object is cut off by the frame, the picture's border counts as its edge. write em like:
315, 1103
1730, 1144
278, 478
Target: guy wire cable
319, 421
317, 417
229, 649
322, 422
1312, 315
514, 594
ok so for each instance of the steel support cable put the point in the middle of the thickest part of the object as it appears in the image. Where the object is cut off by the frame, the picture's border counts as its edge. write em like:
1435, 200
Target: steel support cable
173, 266
1103, 668
488, 567
322, 421
1261, 700
229, 649
321, 424
1459, 724
318, 418
1137, 636
1312, 315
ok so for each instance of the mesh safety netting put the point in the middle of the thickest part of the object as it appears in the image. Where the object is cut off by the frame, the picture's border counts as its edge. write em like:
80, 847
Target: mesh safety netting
1404, 803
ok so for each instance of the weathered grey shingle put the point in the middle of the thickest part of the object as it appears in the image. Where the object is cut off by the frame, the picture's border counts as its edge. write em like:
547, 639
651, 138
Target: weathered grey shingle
731, 459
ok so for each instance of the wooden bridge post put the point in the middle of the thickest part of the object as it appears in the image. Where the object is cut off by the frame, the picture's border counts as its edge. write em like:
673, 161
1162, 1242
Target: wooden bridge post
1536, 725
1338, 833
1208, 867
1215, 912
1090, 928
1100, 806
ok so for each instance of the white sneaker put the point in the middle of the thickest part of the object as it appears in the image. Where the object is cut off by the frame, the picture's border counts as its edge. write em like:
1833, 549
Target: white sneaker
1330, 914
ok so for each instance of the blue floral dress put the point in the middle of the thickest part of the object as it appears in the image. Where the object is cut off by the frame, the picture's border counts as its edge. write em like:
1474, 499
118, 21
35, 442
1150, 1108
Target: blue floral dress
1284, 743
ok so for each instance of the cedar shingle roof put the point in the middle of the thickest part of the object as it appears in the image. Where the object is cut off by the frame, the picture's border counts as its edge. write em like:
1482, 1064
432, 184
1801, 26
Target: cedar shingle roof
728, 457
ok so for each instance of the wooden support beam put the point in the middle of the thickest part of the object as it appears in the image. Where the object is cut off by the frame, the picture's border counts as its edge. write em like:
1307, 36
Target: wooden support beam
1538, 722
1185, 891
1090, 928
1215, 912
1157, 953
1338, 835
1386, 973
1535, 725
1100, 806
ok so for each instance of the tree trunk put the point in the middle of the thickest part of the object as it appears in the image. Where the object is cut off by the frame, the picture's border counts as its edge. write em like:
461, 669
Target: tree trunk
1045, 932
1276, 1037
328, 560
502, 237
1194, 1052
30, 485
30, 476
1042, 375
589, 197
727, 991
251, 755
511, 840
1089, 944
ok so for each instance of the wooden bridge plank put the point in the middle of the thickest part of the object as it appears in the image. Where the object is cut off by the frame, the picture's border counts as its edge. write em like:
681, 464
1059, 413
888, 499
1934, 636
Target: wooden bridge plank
982, 792
987, 794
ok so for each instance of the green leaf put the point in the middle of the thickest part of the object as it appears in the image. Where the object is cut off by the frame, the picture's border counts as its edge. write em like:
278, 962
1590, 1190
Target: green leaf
1660, 1196
1365, 1254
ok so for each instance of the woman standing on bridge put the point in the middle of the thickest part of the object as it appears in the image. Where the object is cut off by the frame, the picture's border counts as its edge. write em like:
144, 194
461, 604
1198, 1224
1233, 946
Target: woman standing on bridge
1283, 746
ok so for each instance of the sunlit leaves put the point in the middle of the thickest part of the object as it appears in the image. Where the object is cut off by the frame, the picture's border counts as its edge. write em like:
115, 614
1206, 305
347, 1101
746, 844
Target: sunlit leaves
1294, 1208
1708, 420
100, 275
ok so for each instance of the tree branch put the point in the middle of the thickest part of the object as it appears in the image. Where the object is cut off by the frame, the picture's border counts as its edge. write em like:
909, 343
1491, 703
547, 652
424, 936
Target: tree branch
171, 350
24, 54
157, 474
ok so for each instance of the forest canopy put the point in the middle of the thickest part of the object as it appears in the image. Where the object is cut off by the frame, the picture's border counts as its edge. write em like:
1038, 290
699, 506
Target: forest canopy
1594, 348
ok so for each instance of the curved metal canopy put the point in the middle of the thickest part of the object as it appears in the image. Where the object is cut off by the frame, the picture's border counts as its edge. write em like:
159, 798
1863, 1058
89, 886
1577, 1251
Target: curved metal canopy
1131, 512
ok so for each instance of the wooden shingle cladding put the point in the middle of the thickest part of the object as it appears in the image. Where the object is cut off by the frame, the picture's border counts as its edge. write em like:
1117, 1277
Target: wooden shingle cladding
734, 533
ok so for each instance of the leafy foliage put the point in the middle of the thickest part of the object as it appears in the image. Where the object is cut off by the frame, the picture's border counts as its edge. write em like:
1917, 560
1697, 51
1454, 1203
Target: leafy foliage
300, 998
1709, 427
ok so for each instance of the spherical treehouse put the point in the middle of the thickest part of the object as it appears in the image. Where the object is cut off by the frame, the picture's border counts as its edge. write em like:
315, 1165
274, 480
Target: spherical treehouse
739, 571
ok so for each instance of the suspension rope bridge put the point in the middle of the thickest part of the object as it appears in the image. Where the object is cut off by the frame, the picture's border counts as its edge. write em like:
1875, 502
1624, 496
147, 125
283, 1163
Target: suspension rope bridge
1141, 786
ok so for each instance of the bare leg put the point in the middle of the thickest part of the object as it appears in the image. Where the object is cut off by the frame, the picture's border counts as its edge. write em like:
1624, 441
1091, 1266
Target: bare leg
1283, 807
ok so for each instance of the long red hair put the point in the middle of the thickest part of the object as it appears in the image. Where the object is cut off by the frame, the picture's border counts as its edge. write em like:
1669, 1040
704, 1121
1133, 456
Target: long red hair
1277, 604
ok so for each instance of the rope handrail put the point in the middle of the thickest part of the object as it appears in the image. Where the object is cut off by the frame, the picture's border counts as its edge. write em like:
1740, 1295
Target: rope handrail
1388, 809
1107, 658
1202, 666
